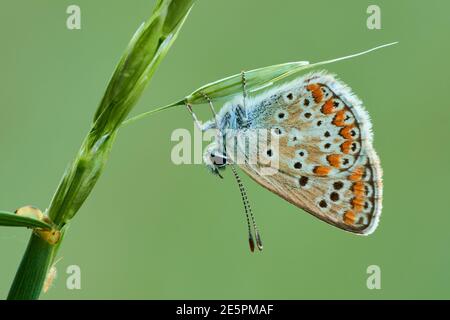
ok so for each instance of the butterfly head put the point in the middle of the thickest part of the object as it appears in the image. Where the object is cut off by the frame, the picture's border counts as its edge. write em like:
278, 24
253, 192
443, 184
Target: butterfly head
215, 159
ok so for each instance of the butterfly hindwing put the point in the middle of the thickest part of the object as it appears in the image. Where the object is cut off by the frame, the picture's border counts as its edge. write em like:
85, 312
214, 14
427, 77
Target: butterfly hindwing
323, 159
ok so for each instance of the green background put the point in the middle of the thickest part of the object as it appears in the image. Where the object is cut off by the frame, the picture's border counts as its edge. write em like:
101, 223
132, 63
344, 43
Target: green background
155, 230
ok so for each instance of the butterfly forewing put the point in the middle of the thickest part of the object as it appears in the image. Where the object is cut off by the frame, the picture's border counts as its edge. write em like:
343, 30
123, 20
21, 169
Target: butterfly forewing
323, 160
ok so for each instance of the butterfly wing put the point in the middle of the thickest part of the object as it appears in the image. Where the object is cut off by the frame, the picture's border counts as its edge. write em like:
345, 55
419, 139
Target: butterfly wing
323, 160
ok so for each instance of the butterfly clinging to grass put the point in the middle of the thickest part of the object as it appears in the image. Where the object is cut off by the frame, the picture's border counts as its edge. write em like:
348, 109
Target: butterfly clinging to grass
308, 140
324, 161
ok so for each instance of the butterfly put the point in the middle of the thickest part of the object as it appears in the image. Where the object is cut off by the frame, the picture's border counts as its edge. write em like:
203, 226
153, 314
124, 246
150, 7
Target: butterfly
310, 142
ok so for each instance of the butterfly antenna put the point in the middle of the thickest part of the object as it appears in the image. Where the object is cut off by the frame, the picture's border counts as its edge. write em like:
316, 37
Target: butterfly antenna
248, 214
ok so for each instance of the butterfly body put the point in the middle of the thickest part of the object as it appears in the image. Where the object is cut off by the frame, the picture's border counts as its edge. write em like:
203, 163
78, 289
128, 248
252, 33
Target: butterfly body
308, 141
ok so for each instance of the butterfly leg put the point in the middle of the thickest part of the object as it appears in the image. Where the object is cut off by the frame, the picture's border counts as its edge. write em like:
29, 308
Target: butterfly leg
244, 92
197, 123
211, 107
244, 86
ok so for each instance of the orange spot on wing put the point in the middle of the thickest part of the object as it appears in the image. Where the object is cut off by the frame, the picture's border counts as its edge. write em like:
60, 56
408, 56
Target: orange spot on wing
328, 107
312, 87
359, 189
346, 145
316, 92
334, 160
349, 217
339, 118
345, 132
358, 204
357, 174
318, 95
322, 170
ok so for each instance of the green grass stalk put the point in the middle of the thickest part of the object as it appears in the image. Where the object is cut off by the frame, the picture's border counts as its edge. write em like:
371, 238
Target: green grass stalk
144, 53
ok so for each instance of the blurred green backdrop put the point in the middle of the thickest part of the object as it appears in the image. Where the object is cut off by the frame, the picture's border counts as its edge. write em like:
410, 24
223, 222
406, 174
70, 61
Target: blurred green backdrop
155, 230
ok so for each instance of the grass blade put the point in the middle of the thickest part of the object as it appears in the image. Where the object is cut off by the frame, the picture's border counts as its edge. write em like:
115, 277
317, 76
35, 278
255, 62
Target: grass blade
143, 55
145, 51
9, 219
256, 80
36, 261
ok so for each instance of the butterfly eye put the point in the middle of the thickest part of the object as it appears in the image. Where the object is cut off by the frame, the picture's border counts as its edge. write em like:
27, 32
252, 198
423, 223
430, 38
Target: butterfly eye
218, 160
